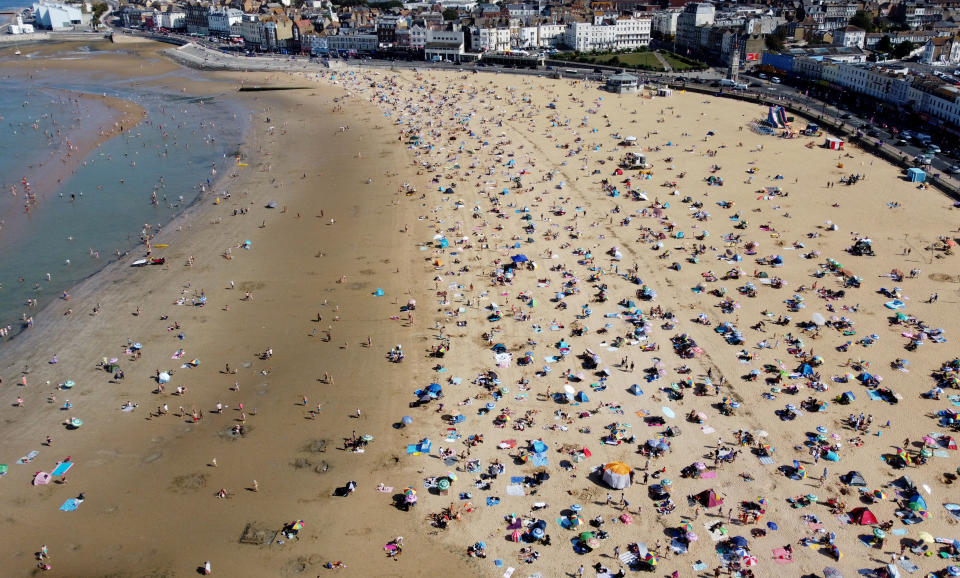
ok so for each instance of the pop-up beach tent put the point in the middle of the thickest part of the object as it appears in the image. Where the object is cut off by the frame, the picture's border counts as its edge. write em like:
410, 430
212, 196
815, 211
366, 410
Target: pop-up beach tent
915, 175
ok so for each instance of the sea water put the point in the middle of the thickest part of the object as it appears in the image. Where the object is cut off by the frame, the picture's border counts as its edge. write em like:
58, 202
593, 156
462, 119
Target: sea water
84, 217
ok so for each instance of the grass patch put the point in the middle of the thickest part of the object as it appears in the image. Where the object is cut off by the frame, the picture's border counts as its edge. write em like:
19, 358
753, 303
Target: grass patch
681, 63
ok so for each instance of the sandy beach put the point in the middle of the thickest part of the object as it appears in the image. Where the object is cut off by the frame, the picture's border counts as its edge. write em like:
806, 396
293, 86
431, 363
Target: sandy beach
389, 187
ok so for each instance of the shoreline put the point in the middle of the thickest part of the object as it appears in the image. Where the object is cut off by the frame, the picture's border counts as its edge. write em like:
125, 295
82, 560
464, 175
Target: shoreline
127, 114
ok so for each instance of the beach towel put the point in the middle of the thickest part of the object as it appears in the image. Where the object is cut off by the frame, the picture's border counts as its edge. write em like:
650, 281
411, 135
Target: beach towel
874, 395
766, 460
509, 572
717, 534
781, 556
516, 479
61, 469
498, 563
540, 460
898, 532
708, 475
699, 566
815, 526
413, 449
28, 458
907, 565
515, 490
844, 518
385, 489
629, 559
941, 453
707, 429
70, 505
493, 501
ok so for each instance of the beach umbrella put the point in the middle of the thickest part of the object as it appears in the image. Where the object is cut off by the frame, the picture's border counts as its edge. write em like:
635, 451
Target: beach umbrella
917, 503
409, 491
626, 518
443, 484
576, 507
879, 495
593, 543
537, 533
739, 541
519, 258
686, 527
575, 521
586, 536
76, 422
367, 438
515, 536
772, 525
406, 420
953, 570
749, 560
878, 533
651, 558
925, 537
930, 441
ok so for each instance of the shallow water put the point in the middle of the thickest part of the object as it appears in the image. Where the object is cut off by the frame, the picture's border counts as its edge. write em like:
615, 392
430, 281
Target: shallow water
102, 207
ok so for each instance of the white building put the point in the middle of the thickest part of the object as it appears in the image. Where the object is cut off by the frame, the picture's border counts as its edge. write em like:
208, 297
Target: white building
850, 36
490, 39
221, 21
665, 22
359, 43
20, 27
694, 21
251, 30
624, 34
633, 33
446, 44
57, 16
174, 20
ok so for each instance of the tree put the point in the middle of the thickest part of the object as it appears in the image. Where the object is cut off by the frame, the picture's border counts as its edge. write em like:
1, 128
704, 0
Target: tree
903, 49
98, 11
884, 44
451, 14
773, 42
863, 20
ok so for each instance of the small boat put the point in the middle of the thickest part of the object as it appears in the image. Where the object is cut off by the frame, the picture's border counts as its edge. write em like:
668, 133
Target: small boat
139, 263
158, 261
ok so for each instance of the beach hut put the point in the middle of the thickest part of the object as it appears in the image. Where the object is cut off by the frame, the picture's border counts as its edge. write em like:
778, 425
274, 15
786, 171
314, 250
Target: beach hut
862, 516
834, 144
916, 175
617, 475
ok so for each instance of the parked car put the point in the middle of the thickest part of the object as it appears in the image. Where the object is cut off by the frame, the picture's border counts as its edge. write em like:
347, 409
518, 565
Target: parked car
954, 170
846, 115
932, 148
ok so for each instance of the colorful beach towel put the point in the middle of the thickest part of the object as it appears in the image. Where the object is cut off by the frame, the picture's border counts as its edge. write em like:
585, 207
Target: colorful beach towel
781, 556
766, 460
61, 469
28, 458
70, 505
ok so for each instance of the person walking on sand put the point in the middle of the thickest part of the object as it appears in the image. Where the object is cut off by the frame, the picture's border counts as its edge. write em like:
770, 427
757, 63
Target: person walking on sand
358, 413
256, 486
